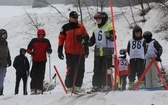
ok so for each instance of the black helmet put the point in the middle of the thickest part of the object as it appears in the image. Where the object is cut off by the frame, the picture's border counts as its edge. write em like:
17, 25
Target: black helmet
123, 52
103, 16
147, 35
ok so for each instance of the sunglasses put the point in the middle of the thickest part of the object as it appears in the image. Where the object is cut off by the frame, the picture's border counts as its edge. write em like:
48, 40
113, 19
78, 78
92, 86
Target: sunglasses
98, 17
75, 17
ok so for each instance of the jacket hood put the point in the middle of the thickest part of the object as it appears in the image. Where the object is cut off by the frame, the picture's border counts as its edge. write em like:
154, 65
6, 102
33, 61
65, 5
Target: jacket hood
137, 29
3, 31
21, 50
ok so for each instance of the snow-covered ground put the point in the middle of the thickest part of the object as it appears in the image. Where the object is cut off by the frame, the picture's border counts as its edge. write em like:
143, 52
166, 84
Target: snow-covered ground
20, 32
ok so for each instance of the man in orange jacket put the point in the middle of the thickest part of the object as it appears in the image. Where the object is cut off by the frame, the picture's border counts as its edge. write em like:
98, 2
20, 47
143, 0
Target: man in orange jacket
73, 37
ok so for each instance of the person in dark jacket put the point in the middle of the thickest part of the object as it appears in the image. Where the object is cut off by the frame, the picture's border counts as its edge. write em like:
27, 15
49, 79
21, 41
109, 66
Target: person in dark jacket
73, 37
21, 64
38, 48
5, 59
154, 50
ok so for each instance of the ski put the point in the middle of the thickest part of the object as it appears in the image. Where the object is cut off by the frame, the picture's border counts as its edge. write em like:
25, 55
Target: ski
88, 93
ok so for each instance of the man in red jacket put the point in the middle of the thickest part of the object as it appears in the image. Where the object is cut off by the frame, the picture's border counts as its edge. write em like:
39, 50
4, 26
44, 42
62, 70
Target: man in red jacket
38, 47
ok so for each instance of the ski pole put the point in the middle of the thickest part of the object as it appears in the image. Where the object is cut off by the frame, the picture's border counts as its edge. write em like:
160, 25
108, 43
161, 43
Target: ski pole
49, 74
49, 71
162, 67
60, 80
76, 72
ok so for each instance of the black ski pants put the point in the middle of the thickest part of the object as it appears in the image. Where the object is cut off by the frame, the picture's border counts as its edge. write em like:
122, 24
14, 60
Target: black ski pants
37, 75
123, 81
137, 67
75, 66
101, 64
18, 78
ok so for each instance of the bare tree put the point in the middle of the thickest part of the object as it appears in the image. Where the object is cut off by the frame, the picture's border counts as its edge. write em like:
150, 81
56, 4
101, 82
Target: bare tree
55, 9
132, 12
101, 4
142, 10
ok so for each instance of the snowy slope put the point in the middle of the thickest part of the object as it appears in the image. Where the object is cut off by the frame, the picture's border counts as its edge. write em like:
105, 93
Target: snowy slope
20, 32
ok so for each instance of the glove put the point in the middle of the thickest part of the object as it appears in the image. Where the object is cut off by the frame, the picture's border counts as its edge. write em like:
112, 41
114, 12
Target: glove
49, 50
158, 59
89, 43
79, 38
60, 54
27, 73
9, 63
31, 53
107, 34
86, 51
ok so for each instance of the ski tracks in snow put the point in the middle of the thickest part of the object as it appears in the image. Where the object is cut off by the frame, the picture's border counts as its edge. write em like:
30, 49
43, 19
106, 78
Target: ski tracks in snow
88, 99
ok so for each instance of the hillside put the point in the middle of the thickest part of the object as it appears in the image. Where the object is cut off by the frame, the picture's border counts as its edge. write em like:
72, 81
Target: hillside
20, 32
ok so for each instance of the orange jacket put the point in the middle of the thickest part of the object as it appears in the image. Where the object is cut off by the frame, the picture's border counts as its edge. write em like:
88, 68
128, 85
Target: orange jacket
68, 35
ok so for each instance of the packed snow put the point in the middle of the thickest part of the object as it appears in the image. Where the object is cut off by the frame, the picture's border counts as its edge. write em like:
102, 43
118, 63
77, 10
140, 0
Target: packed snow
21, 31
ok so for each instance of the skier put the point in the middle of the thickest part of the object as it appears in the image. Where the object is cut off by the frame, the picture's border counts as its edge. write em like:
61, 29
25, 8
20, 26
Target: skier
102, 37
5, 59
73, 37
37, 48
154, 50
136, 49
123, 68
21, 64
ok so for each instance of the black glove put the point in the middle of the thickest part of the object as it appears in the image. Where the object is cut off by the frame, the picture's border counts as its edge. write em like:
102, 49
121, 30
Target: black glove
31, 53
9, 63
89, 43
79, 38
83, 39
158, 59
49, 50
86, 51
60, 54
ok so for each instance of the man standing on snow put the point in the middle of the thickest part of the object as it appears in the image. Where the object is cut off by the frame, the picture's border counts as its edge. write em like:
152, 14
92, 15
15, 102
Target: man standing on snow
5, 59
103, 38
38, 47
73, 37
136, 49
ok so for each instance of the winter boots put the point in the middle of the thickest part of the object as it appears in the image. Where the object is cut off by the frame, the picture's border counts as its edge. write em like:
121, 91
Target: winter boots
76, 89
1, 91
103, 89
36, 91
130, 85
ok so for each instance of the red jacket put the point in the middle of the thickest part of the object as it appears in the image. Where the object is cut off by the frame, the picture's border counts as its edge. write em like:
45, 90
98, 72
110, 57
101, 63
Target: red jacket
39, 48
68, 36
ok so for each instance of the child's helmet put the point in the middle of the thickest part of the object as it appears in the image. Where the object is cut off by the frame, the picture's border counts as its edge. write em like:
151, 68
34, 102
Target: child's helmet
123, 52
